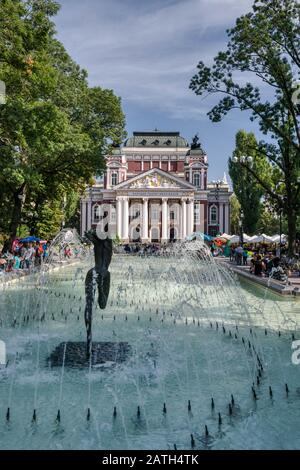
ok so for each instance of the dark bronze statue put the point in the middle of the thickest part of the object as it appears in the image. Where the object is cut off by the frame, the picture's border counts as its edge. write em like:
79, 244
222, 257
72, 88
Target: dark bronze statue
97, 277
196, 145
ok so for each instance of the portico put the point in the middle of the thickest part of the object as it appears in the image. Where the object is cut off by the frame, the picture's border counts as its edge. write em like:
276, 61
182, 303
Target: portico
170, 217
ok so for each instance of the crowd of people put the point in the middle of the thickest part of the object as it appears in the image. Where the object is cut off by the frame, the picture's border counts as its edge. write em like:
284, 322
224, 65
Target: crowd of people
24, 256
265, 262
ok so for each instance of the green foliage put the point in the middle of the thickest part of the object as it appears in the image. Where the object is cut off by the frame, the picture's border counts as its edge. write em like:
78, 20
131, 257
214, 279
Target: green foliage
265, 45
248, 192
269, 222
117, 240
235, 210
54, 129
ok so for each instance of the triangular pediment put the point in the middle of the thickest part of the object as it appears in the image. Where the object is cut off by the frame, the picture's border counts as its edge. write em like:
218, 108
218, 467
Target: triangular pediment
155, 178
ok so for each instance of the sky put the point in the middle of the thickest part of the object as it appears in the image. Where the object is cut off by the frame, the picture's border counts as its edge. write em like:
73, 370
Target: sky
147, 51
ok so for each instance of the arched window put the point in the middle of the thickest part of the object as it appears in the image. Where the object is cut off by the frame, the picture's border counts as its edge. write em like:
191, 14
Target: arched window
96, 213
114, 179
196, 180
213, 215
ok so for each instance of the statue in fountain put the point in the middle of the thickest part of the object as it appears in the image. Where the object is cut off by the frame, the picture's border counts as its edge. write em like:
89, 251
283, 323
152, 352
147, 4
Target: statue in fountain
97, 277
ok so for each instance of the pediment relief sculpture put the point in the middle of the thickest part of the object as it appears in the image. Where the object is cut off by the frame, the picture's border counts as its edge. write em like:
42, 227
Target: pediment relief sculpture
154, 181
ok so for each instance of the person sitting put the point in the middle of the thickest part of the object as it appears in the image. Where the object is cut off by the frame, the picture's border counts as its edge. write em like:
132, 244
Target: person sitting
258, 266
277, 271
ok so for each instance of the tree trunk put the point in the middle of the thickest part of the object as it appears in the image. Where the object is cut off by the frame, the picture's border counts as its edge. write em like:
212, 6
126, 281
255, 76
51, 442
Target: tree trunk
291, 219
18, 198
16, 217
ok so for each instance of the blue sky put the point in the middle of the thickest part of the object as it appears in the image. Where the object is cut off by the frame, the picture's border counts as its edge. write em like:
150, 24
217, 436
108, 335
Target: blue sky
147, 51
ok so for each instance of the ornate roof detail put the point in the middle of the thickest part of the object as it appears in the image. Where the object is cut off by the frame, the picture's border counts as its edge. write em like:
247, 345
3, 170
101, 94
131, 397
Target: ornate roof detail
156, 139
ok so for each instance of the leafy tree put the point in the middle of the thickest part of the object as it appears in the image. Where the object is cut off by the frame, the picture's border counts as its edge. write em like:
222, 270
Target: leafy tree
269, 222
264, 44
235, 211
54, 129
249, 193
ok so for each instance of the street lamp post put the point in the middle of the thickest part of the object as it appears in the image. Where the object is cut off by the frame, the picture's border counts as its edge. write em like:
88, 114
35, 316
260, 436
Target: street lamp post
241, 228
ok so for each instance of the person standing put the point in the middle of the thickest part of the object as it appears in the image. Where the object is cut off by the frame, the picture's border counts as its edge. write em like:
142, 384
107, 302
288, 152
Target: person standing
245, 257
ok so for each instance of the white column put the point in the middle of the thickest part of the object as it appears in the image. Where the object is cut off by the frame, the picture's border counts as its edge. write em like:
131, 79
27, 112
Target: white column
191, 177
125, 218
89, 214
83, 217
164, 220
221, 228
202, 179
108, 178
119, 217
169, 165
183, 218
142, 165
190, 217
202, 217
226, 228
145, 235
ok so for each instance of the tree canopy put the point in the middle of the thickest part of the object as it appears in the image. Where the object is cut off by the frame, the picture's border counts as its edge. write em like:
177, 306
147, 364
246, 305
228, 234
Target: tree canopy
54, 128
249, 193
264, 47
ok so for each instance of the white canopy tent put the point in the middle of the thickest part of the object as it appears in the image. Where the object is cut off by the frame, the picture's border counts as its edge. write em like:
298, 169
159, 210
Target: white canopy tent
263, 238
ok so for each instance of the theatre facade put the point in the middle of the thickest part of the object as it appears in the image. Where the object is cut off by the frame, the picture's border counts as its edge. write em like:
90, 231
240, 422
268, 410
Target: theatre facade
156, 189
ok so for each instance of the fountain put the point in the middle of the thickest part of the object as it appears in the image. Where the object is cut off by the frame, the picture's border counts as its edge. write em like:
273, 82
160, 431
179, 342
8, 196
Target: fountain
197, 361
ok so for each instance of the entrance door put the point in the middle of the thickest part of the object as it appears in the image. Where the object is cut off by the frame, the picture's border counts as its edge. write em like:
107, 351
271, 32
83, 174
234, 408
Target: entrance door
173, 234
155, 234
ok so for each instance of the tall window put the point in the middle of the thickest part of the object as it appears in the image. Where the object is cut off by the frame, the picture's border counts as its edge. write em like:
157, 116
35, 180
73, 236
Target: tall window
114, 179
154, 212
214, 215
112, 214
196, 180
197, 213
96, 213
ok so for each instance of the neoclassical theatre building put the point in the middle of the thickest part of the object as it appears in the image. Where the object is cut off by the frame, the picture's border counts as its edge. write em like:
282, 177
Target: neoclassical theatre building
155, 188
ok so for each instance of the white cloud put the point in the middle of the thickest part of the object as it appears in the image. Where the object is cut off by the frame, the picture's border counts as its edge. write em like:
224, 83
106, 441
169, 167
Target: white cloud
147, 51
